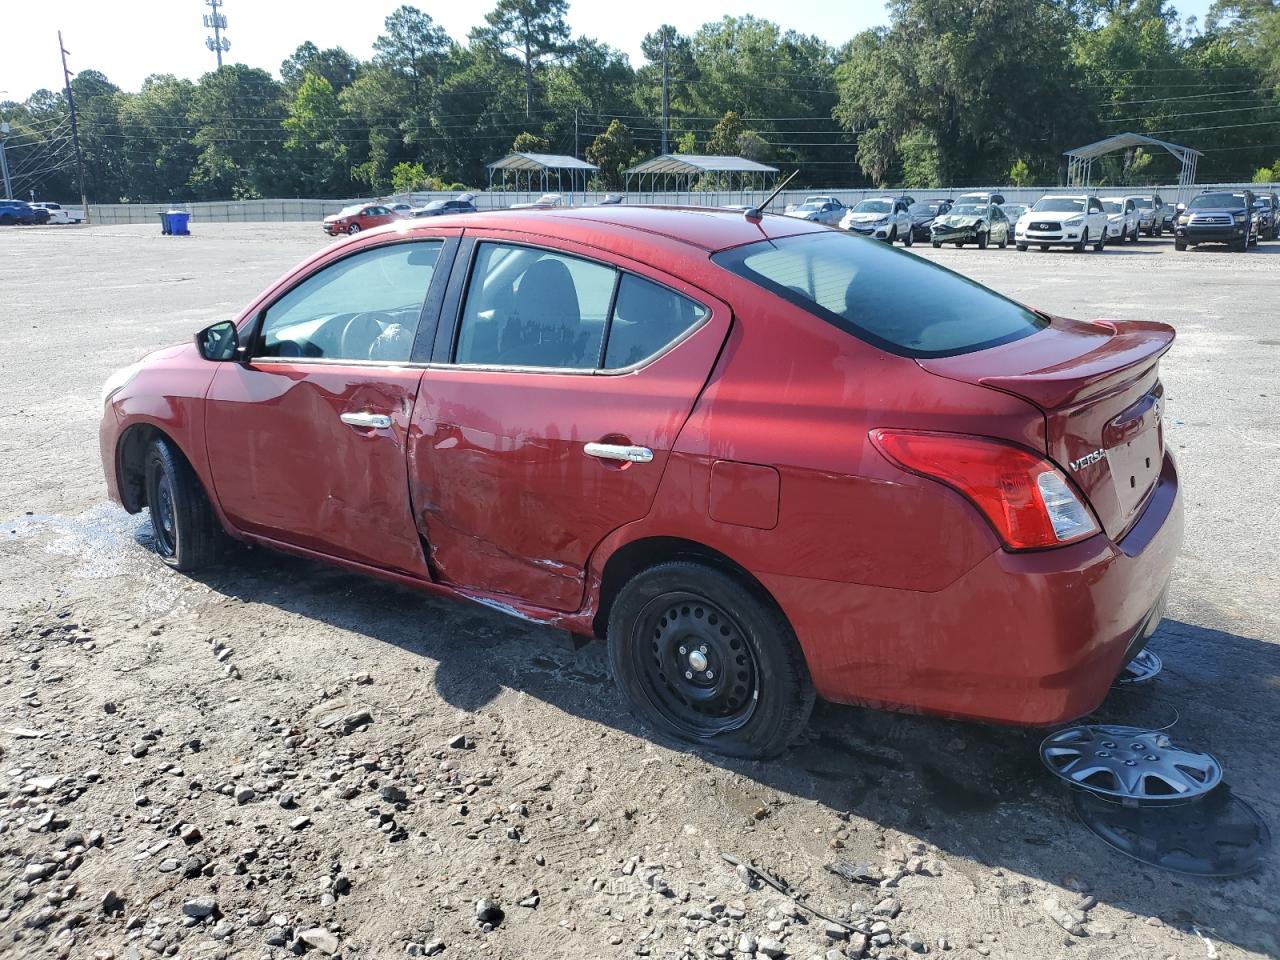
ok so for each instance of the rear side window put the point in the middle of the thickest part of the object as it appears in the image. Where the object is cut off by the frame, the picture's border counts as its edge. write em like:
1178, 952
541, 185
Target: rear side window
889, 298
646, 318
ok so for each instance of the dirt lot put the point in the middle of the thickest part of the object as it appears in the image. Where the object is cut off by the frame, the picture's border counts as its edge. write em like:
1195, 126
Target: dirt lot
280, 757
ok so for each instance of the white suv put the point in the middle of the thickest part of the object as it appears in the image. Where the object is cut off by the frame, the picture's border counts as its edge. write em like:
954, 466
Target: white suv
1066, 220
1122, 219
885, 218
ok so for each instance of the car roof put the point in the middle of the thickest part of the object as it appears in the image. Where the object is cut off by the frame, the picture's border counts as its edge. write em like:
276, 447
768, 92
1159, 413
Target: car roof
706, 228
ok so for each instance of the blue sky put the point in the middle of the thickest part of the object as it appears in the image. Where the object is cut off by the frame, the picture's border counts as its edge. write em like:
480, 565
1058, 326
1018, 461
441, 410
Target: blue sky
131, 39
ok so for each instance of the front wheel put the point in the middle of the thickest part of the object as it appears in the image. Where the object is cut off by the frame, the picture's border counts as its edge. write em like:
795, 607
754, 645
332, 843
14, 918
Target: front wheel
705, 658
1083, 243
1098, 245
909, 237
183, 526
1004, 240
936, 244
353, 229
982, 241
893, 236
1179, 244
1022, 248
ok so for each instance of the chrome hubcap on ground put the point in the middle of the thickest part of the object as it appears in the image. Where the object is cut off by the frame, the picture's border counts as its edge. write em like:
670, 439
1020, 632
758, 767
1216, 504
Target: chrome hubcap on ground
1141, 668
700, 674
1129, 764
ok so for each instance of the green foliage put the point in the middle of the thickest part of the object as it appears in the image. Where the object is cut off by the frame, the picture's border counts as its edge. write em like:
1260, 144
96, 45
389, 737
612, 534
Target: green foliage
1269, 174
412, 178
527, 142
948, 93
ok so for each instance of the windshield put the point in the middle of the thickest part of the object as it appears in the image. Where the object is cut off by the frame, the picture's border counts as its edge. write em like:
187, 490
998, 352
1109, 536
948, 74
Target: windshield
968, 210
873, 206
1059, 205
809, 207
892, 299
1210, 200
1144, 202
1113, 206
925, 208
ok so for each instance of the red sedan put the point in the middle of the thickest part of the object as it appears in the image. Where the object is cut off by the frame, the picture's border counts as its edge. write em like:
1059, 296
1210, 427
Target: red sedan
362, 216
765, 460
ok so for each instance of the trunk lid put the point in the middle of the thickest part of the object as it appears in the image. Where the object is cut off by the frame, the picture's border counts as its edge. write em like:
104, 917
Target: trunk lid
1098, 385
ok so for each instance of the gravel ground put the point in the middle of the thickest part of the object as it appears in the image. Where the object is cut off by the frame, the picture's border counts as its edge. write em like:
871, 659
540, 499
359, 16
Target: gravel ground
278, 757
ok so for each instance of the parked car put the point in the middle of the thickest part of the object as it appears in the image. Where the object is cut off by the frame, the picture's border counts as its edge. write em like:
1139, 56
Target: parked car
814, 198
981, 196
463, 203
1267, 208
1217, 216
1122, 219
1151, 212
19, 211
923, 213
884, 218
739, 552
611, 199
404, 209
544, 202
824, 211
1071, 220
360, 216
1014, 211
972, 221
828, 212
60, 214
1169, 219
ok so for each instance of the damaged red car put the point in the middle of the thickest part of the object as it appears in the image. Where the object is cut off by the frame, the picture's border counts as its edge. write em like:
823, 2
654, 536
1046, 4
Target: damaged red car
766, 461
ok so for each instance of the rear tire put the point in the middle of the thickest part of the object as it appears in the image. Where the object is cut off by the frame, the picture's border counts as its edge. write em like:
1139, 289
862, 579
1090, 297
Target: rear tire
185, 530
760, 696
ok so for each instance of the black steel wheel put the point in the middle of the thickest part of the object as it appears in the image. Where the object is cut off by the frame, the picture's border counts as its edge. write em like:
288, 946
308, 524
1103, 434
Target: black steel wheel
184, 529
706, 658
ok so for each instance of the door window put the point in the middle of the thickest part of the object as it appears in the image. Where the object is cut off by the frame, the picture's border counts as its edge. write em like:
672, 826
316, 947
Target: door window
364, 307
527, 307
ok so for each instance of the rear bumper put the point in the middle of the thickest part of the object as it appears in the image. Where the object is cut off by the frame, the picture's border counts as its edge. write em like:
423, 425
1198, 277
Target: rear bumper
1022, 638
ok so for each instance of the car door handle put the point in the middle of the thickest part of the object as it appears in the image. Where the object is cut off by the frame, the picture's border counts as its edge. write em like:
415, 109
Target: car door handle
616, 451
363, 418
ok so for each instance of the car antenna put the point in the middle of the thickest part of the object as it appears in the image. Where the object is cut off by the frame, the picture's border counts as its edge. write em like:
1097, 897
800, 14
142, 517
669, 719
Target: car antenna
756, 214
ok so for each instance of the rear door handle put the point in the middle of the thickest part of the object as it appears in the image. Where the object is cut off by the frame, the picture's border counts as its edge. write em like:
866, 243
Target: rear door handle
370, 421
615, 451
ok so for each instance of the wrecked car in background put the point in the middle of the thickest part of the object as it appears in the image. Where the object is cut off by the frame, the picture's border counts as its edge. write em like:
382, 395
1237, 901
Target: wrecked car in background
767, 461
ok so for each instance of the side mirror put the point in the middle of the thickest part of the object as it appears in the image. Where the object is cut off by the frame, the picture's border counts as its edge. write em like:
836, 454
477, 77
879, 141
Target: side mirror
219, 342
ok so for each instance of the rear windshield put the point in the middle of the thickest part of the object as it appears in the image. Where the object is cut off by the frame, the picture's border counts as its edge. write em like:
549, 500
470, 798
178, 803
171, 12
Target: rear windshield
892, 299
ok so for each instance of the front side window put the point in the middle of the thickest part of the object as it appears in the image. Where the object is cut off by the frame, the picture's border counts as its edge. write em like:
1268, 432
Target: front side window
894, 300
364, 307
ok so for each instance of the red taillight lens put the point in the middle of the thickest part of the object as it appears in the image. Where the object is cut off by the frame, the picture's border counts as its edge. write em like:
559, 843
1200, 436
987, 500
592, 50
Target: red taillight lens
1025, 497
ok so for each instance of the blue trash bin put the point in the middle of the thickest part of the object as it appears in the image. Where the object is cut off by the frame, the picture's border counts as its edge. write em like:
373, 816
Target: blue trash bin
178, 220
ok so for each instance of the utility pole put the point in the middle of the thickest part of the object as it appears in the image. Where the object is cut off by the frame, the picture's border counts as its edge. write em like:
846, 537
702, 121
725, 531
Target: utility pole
4, 162
75, 133
575, 134
217, 22
666, 97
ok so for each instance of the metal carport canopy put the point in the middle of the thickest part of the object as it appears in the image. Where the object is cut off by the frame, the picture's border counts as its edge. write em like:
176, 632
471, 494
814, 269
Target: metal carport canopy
540, 162
1080, 160
689, 164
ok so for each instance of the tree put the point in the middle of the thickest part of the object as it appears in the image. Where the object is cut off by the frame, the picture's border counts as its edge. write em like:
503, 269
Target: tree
315, 144
612, 151
726, 134
335, 65
411, 46
532, 30
1020, 173
527, 142
235, 111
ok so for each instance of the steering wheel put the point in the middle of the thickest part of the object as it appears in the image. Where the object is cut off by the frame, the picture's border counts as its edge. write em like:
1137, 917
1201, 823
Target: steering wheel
359, 332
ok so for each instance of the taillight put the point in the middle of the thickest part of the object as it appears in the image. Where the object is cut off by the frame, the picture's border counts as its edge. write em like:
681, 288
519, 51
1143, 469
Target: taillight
1025, 497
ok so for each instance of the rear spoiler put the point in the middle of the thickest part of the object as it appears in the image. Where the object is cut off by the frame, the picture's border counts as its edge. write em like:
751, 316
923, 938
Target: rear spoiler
1133, 347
